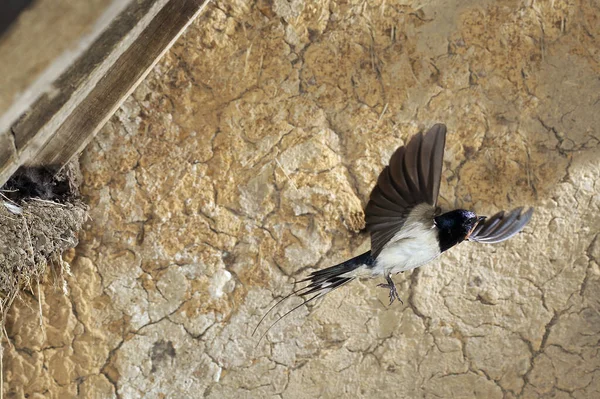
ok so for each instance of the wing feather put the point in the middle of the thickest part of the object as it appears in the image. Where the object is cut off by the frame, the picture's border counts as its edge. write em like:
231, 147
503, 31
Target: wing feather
388, 190
410, 169
501, 226
432, 157
412, 178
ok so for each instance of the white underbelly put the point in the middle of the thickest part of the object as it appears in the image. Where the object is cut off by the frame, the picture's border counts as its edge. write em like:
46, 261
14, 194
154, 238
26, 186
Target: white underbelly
412, 247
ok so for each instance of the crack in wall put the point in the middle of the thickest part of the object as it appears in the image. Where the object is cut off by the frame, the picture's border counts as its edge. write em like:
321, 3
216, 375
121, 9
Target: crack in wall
267, 84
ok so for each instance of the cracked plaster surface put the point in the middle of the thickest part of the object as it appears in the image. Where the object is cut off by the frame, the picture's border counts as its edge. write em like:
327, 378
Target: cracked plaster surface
243, 161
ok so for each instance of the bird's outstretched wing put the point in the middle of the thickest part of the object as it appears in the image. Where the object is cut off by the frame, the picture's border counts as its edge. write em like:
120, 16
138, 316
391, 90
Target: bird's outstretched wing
501, 226
412, 178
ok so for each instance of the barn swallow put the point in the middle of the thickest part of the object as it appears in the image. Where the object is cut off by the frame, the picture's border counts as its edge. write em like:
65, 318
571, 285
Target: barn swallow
406, 226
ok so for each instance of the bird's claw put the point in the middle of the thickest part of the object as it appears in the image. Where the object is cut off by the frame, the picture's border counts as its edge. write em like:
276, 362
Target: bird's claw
393, 292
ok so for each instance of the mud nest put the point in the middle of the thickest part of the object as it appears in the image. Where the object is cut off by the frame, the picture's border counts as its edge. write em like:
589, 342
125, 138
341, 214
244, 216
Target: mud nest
40, 215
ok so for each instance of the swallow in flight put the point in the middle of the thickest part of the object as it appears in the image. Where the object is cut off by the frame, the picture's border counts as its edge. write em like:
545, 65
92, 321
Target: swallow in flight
407, 228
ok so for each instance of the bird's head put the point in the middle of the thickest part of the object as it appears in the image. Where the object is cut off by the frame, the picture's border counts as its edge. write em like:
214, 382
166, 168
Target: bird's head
455, 227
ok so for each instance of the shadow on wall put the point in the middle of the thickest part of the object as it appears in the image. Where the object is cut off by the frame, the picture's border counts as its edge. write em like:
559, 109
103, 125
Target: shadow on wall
9, 11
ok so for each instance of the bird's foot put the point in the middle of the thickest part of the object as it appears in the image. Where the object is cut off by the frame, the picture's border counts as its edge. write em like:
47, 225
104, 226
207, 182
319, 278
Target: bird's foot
392, 287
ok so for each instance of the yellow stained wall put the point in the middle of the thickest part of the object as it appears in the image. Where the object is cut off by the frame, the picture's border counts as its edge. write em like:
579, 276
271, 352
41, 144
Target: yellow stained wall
244, 160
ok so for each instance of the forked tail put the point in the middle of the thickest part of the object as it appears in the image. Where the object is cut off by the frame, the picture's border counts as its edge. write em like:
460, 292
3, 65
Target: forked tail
322, 282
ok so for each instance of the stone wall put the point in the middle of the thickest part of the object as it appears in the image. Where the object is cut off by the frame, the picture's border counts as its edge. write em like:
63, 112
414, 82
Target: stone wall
243, 162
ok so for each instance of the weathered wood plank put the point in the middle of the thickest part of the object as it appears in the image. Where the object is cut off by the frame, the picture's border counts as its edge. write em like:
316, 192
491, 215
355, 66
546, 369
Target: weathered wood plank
52, 109
56, 145
8, 152
43, 42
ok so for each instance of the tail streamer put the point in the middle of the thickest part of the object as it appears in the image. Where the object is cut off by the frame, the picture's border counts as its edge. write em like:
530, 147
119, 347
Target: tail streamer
322, 282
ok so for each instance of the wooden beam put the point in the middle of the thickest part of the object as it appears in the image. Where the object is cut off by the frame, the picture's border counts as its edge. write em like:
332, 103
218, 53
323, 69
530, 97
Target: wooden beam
51, 109
46, 40
56, 144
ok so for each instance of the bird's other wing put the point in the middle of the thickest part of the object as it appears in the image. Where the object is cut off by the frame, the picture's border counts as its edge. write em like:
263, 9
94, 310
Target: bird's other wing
412, 178
501, 226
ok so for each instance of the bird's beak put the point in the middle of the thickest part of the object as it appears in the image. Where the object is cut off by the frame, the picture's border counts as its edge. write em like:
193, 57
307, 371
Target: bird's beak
480, 219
